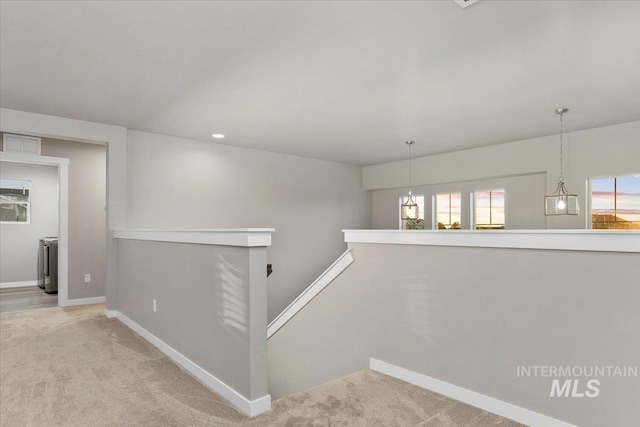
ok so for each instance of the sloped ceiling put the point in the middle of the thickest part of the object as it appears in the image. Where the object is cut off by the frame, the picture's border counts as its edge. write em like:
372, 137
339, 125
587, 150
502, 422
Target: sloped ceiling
341, 81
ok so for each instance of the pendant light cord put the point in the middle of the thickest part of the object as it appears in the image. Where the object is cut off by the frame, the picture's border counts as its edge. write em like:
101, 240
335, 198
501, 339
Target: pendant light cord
410, 174
561, 150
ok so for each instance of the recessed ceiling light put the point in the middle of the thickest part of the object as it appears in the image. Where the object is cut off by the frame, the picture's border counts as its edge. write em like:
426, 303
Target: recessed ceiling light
218, 135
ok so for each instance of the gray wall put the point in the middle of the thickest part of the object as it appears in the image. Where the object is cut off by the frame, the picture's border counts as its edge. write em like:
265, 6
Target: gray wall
87, 220
470, 316
206, 309
524, 196
19, 242
180, 183
606, 151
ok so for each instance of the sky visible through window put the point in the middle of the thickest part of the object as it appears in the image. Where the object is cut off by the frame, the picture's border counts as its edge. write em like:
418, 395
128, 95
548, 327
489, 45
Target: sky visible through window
448, 208
619, 197
489, 207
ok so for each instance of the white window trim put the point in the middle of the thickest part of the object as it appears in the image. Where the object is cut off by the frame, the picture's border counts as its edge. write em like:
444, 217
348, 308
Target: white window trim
434, 209
20, 203
473, 207
588, 202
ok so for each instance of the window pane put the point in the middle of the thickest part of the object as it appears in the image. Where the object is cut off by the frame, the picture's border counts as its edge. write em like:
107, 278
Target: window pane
497, 207
602, 202
420, 203
615, 202
482, 204
14, 191
489, 209
443, 210
628, 198
448, 212
456, 211
14, 200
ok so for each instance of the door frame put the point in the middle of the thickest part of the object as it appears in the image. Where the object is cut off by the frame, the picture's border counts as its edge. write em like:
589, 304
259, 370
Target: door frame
63, 213
115, 138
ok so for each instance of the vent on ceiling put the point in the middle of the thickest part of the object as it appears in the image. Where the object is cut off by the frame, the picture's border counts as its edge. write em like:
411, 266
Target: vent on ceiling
465, 3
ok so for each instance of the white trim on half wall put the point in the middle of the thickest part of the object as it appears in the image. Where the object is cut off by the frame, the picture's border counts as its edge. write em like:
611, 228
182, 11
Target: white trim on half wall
311, 292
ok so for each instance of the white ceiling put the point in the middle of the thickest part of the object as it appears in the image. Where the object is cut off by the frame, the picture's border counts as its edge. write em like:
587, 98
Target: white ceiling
342, 81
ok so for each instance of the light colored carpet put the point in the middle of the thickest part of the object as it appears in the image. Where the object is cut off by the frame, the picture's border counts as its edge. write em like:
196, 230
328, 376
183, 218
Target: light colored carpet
74, 367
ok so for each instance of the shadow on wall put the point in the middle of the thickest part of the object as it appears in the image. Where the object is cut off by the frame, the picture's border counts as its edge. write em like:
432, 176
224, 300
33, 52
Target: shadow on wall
418, 305
232, 295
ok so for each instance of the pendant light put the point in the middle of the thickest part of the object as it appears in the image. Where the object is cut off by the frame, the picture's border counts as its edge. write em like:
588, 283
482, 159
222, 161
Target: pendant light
409, 207
561, 202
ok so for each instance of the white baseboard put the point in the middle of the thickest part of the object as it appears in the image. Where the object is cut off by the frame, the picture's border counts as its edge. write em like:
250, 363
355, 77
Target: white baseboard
111, 314
249, 407
83, 301
495, 406
5, 285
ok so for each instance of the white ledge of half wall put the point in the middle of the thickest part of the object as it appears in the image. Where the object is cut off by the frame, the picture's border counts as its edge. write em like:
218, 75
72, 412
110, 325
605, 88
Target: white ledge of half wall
245, 237
564, 240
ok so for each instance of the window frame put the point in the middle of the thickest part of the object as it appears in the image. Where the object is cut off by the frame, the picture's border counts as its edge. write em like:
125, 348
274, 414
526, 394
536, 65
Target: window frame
589, 201
474, 208
435, 222
27, 203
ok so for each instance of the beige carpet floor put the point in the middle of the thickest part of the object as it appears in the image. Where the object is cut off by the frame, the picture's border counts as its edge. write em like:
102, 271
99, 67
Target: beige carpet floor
74, 367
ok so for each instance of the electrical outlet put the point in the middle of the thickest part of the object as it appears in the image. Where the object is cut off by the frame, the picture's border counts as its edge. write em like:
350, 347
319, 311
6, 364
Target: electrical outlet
155, 307
87, 278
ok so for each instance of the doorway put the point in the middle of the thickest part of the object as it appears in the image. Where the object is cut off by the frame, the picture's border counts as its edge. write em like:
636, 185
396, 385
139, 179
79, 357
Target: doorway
82, 236
14, 297
29, 236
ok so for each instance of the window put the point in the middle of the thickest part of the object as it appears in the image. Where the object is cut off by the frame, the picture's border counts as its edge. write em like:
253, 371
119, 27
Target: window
615, 203
410, 224
14, 201
448, 211
489, 209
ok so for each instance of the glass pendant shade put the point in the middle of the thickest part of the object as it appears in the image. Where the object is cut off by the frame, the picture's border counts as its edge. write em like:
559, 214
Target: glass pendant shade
409, 208
561, 202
